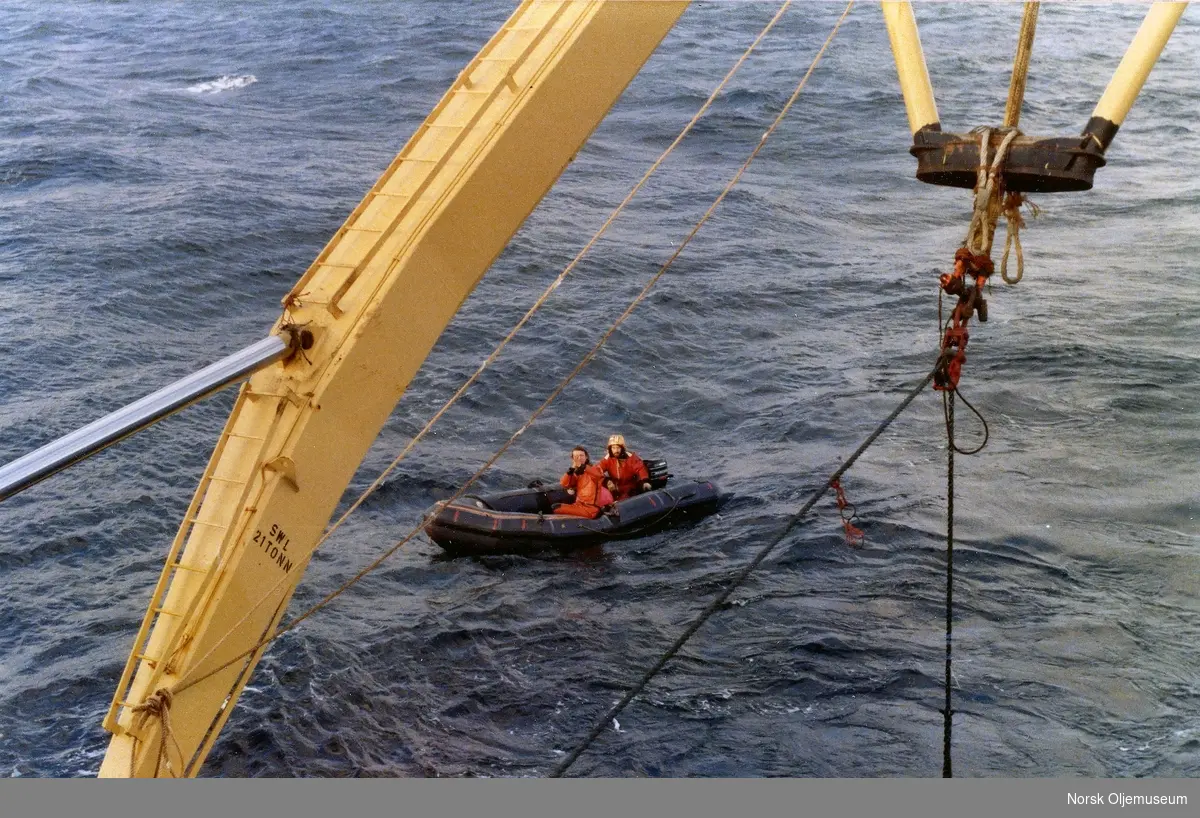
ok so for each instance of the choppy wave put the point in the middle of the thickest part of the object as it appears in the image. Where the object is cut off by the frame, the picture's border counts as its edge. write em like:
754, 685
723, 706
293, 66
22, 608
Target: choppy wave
143, 239
223, 83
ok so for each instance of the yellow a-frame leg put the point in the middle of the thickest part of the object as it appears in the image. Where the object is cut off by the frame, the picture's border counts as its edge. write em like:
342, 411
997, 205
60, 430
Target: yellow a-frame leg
910, 65
1131, 74
376, 299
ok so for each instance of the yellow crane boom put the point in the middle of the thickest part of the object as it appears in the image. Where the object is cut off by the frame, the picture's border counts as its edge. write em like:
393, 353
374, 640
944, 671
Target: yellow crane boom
375, 300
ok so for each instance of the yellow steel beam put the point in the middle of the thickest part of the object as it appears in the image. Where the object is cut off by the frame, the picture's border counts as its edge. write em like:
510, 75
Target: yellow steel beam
376, 299
910, 65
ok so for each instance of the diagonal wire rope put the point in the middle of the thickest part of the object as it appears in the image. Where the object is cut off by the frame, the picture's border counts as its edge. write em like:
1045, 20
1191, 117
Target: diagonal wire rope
190, 680
541, 300
720, 599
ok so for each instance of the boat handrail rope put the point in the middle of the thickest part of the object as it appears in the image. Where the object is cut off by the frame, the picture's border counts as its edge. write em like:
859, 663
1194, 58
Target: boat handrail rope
195, 677
720, 599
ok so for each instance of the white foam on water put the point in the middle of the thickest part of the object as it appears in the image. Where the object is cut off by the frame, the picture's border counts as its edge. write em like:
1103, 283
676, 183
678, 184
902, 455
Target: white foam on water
223, 83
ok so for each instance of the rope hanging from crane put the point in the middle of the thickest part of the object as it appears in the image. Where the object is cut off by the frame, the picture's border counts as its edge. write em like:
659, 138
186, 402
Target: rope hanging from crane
972, 267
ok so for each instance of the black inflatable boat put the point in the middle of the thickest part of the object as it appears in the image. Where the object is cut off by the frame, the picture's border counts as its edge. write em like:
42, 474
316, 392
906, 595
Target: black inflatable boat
521, 521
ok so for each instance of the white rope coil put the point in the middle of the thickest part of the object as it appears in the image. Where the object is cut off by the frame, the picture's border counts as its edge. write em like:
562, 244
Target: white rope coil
991, 201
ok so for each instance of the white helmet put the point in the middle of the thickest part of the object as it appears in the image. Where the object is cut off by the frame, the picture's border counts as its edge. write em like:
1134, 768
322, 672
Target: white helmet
617, 440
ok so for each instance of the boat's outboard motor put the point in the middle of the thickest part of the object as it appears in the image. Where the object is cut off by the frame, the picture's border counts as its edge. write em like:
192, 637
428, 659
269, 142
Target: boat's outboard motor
658, 473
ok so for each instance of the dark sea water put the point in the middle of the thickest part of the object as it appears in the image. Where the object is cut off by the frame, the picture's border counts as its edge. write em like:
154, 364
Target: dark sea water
167, 171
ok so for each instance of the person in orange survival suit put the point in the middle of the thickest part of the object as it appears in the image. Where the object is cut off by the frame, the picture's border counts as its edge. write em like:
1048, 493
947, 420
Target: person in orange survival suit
625, 473
584, 481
